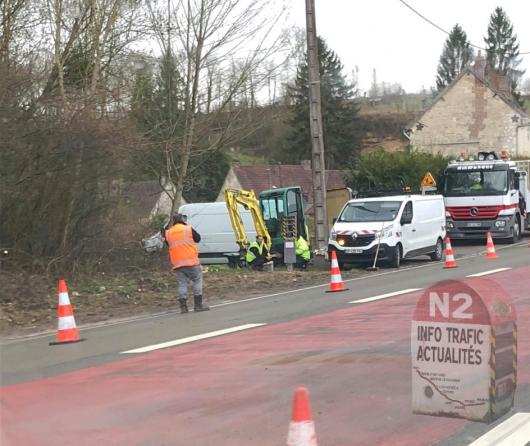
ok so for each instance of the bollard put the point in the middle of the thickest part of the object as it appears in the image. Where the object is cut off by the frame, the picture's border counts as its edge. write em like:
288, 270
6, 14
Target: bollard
464, 351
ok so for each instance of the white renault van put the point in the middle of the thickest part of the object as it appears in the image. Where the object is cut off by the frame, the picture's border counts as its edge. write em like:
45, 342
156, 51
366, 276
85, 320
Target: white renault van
404, 226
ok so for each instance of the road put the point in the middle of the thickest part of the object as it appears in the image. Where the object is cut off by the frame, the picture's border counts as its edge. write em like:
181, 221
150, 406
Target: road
126, 385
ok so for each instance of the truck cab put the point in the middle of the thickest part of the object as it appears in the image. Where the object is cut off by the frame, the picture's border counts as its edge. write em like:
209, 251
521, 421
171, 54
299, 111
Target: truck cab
485, 195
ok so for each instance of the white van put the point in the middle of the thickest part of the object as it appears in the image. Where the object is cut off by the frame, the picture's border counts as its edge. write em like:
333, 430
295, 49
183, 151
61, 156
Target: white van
405, 226
212, 222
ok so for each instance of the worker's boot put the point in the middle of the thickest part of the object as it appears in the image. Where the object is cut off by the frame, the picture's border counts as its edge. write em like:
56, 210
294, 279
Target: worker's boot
183, 306
198, 304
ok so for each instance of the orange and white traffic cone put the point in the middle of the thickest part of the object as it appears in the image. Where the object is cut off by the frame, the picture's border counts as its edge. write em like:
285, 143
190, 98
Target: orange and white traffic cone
301, 427
490, 248
336, 279
66, 329
449, 256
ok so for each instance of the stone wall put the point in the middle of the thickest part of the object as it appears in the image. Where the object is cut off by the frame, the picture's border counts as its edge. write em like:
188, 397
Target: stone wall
523, 141
467, 118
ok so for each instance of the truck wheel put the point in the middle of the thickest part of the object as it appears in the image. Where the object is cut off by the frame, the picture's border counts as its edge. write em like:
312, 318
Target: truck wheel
516, 231
438, 252
395, 261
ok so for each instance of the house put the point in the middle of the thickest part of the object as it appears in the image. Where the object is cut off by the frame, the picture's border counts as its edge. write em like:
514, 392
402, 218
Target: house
133, 216
146, 199
263, 177
475, 112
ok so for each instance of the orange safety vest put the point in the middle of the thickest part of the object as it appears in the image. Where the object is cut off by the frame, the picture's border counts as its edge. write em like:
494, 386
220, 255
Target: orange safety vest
182, 249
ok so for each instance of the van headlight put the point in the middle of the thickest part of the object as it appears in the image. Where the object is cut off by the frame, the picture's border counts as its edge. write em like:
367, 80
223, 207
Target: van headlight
500, 223
384, 233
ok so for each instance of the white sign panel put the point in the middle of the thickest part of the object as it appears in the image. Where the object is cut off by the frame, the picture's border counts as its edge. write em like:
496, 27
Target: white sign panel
450, 368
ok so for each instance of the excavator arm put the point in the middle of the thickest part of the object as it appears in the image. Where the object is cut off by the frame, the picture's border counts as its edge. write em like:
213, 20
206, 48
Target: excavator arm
233, 197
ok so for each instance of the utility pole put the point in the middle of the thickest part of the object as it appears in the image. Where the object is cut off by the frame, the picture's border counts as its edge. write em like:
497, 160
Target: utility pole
169, 64
318, 164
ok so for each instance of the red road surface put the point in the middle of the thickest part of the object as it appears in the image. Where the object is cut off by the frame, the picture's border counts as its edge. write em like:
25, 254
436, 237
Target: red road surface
237, 389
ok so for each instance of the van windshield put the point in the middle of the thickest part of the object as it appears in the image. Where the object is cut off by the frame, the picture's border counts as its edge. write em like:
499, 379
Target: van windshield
370, 211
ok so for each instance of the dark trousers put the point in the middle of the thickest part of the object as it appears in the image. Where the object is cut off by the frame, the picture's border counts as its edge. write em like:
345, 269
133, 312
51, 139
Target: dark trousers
301, 263
258, 263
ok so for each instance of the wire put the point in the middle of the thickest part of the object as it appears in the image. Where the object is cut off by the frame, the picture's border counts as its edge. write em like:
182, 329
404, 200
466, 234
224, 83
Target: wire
444, 31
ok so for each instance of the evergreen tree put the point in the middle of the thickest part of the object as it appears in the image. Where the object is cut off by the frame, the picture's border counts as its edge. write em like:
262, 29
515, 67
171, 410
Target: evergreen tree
157, 108
456, 54
77, 67
342, 134
502, 48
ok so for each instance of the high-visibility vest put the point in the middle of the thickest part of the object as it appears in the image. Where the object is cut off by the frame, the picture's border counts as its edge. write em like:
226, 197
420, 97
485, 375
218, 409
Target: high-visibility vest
182, 249
250, 255
302, 248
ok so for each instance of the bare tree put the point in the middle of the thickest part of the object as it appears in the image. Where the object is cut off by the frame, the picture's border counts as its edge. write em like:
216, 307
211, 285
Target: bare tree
209, 38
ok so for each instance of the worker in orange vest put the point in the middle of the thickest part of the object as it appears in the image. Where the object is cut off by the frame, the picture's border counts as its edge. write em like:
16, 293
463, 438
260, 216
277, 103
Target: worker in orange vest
184, 256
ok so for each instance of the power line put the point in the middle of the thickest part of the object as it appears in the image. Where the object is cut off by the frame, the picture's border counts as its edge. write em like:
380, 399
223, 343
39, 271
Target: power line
443, 30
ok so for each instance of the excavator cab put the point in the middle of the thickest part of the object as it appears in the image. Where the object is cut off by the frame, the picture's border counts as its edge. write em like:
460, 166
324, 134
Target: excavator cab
276, 205
270, 213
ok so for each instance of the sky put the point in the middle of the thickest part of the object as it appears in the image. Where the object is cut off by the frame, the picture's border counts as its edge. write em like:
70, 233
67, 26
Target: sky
387, 36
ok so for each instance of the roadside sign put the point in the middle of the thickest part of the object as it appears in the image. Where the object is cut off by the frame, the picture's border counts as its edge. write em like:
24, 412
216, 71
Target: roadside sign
428, 181
464, 351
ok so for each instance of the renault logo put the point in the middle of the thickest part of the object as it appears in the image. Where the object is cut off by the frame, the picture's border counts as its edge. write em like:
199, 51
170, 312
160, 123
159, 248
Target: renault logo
354, 235
474, 212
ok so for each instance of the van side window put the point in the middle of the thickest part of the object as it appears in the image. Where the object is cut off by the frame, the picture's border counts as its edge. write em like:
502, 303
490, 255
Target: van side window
407, 211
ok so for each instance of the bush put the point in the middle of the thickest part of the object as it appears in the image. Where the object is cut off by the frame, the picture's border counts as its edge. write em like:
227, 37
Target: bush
381, 171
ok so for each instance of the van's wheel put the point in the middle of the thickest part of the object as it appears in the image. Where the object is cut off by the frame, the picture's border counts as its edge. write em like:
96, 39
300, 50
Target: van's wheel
438, 252
397, 255
516, 231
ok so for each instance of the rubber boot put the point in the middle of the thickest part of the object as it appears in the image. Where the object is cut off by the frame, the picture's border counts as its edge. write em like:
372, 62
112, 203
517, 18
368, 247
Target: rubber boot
183, 306
198, 304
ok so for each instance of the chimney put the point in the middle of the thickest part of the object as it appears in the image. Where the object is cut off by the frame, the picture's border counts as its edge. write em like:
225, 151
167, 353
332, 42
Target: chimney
306, 164
480, 65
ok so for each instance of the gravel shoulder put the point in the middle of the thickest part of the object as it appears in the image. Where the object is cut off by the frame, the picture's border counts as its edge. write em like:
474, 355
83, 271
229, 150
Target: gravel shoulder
28, 302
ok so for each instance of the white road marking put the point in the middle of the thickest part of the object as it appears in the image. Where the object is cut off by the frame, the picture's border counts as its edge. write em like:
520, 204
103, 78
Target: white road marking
211, 334
491, 271
515, 431
384, 296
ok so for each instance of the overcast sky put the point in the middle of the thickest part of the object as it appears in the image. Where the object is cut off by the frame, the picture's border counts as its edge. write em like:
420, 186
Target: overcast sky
400, 45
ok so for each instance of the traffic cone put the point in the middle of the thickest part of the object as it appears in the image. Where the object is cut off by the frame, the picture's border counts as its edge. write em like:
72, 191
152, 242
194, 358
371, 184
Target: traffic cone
449, 257
66, 329
490, 248
301, 427
336, 279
